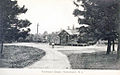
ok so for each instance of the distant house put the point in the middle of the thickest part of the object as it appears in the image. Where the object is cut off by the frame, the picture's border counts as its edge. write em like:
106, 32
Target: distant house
68, 37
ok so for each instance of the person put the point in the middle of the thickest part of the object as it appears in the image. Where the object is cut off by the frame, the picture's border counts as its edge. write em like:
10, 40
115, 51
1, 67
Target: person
53, 44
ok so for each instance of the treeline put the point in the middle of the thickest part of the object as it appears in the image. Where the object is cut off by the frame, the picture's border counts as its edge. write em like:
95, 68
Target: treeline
41, 38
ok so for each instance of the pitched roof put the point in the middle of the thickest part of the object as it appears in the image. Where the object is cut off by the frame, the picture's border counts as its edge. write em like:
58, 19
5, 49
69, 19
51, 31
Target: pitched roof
71, 31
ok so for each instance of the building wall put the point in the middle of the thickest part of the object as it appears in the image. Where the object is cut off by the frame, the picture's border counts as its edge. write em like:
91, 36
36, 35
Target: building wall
66, 39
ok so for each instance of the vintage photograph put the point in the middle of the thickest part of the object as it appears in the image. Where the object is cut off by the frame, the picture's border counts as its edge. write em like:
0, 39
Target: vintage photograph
60, 34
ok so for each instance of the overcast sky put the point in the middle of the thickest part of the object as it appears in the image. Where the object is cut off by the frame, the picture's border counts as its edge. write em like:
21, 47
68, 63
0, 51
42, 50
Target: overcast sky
52, 15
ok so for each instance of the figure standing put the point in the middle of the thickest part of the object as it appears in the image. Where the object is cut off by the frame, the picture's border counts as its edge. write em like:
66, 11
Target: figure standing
53, 44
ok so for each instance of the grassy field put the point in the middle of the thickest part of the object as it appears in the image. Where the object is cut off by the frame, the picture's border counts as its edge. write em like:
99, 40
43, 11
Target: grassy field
20, 56
97, 60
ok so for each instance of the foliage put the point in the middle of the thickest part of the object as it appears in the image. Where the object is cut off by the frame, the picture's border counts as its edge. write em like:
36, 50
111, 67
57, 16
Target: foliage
53, 38
87, 36
101, 19
13, 27
33, 38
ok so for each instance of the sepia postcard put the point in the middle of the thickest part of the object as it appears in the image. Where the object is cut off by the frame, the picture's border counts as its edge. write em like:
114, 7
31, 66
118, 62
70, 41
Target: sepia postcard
39, 37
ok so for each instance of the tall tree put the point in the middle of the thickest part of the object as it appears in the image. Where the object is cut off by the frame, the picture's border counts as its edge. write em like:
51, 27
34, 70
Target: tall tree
118, 30
11, 26
101, 17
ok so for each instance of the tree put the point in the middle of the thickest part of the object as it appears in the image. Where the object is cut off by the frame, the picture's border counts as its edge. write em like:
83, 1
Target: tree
11, 26
45, 36
53, 38
101, 17
118, 30
87, 36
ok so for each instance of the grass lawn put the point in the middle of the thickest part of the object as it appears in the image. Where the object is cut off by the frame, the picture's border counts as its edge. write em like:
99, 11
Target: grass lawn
98, 60
20, 56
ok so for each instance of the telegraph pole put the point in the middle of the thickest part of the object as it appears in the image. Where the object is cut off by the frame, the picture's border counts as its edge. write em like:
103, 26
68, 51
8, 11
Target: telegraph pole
37, 28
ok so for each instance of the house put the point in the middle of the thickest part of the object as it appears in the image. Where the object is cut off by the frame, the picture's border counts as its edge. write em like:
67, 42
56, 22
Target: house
68, 37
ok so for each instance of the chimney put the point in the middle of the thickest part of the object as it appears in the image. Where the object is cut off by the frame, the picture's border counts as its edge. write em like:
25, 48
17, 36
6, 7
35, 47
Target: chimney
68, 27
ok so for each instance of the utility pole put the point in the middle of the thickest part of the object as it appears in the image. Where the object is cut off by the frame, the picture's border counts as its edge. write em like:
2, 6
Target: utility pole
37, 28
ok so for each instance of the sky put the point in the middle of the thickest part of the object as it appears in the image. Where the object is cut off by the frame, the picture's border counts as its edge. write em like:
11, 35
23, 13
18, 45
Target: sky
52, 15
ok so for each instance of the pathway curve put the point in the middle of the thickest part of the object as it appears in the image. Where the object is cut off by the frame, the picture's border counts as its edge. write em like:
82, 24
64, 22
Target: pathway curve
52, 60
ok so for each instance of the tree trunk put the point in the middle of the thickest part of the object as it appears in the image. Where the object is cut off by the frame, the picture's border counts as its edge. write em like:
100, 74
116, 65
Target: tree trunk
1, 39
118, 49
113, 45
1, 31
118, 30
109, 47
1, 47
